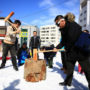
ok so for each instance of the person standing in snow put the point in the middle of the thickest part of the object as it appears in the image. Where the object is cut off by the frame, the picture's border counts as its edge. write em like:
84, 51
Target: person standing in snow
9, 44
71, 32
34, 42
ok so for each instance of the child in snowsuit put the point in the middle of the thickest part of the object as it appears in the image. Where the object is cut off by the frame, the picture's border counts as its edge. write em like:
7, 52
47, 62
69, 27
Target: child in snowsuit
49, 55
22, 54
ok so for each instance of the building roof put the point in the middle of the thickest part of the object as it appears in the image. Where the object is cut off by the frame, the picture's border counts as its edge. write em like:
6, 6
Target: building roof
4, 18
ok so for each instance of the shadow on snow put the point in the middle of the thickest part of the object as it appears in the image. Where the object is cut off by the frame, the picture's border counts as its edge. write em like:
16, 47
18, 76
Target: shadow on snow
13, 85
76, 85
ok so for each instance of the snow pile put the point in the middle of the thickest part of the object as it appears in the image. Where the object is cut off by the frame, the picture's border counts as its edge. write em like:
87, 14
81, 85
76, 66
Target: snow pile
14, 80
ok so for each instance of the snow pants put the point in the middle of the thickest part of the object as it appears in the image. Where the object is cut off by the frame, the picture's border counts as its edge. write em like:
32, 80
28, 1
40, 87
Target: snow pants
11, 48
64, 59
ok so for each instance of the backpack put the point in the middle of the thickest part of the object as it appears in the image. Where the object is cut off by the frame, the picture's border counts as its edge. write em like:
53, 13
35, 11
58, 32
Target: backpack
83, 43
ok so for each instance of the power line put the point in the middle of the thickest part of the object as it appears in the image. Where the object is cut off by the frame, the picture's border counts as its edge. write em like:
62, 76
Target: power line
37, 12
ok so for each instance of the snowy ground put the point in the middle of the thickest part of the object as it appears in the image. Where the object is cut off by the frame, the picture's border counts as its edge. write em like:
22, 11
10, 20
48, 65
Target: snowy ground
13, 80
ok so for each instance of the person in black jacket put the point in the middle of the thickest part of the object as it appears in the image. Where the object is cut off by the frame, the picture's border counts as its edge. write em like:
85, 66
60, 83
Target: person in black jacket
49, 55
63, 53
34, 42
70, 32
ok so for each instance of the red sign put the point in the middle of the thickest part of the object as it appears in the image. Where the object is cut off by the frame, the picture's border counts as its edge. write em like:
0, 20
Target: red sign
0, 42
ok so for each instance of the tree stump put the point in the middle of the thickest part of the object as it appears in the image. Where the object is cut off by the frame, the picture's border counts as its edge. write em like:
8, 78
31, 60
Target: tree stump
34, 71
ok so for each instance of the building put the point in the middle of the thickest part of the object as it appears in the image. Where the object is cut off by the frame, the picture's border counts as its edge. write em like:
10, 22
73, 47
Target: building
27, 33
84, 19
49, 34
3, 29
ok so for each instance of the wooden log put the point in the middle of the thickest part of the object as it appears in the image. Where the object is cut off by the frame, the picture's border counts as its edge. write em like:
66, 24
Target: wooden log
34, 71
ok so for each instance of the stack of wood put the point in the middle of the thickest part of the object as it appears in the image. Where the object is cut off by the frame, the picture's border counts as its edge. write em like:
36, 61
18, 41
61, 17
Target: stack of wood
34, 69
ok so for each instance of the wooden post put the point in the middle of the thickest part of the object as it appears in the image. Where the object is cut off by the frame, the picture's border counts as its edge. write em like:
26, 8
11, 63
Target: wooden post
35, 58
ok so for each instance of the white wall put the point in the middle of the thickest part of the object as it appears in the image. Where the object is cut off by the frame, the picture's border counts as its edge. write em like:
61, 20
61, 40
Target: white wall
88, 15
85, 15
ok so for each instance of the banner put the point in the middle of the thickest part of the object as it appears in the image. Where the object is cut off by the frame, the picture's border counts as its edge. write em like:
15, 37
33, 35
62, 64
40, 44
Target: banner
23, 34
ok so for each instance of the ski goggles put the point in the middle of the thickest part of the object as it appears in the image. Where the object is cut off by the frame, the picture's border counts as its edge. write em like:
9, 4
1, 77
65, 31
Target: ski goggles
58, 23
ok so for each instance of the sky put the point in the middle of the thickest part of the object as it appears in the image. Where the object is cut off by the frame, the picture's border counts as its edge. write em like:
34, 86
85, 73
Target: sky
38, 12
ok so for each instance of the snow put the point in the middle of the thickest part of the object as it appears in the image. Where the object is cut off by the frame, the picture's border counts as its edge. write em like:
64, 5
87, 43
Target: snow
14, 80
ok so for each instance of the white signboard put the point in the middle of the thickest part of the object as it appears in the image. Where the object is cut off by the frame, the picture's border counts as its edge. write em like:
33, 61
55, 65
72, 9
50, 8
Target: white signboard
2, 23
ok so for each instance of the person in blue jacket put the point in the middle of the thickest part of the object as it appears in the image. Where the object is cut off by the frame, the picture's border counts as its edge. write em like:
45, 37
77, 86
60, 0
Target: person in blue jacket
22, 54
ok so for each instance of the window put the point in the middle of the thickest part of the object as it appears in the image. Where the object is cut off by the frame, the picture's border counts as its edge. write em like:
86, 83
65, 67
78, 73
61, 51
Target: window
43, 34
42, 37
53, 41
53, 38
24, 30
43, 28
53, 27
80, 20
43, 31
52, 34
2, 31
47, 27
84, 4
46, 40
42, 41
53, 30
84, 18
47, 37
47, 34
85, 11
81, 14
84, 25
